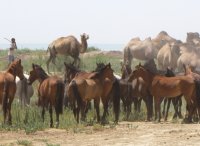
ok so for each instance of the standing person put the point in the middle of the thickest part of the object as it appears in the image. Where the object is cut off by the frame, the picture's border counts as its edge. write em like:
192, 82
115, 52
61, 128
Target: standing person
13, 46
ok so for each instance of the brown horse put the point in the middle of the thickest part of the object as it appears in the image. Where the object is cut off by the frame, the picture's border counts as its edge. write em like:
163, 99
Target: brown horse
161, 86
50, 92
8, 87
177, 102
97, 86
72, 71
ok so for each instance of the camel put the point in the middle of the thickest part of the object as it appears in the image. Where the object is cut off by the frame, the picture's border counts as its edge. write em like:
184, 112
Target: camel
67, 46
190, 54
147, 49
168, 55
193, 37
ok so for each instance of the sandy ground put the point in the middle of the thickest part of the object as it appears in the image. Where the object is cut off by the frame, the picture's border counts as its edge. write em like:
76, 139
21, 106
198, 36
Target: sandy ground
125, 133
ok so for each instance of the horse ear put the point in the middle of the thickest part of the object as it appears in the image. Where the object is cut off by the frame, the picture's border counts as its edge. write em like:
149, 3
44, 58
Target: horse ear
33, 65
109, 64
65, 63
19, 61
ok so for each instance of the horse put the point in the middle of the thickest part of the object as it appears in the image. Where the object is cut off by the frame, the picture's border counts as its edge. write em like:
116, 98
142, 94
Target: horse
24, 91
8, 87
50, 92
72, 71
67, 46
97, 86
125, 88
190, 70
177, 102
161, 86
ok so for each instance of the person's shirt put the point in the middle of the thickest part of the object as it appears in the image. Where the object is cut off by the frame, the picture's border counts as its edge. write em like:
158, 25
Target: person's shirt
13, 46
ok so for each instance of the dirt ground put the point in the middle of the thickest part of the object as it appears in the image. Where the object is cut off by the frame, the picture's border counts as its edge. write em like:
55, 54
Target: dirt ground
125, 133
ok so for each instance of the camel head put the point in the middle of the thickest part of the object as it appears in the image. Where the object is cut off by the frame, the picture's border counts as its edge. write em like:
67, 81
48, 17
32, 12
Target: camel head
84, 45
84, 37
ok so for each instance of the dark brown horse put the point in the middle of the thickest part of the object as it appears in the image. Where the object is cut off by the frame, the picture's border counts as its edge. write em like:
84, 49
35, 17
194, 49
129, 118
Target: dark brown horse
8, 87
97, 86
189, 70
50, 92
161, 86
126, 90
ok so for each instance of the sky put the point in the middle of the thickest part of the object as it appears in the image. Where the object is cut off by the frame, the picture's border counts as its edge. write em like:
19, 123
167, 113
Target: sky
106, 21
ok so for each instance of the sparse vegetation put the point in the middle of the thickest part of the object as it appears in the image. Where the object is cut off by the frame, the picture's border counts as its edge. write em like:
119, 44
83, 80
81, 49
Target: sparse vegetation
24, 142
29, 118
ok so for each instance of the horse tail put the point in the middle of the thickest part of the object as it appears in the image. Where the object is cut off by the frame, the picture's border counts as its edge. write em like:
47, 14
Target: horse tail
59, 97
5, 97
76, 93
197, 85
116, 99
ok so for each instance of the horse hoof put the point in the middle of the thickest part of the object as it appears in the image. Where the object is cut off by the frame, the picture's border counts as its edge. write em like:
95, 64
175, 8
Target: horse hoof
51, 125
186, 121
57, 124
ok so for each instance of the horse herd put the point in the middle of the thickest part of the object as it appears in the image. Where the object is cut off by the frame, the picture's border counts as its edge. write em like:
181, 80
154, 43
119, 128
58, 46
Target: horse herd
78, 88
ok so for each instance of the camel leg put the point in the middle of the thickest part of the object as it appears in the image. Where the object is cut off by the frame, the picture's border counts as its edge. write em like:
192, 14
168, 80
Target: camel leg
48, 61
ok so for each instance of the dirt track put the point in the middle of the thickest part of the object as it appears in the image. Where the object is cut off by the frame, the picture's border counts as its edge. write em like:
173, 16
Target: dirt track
126, 133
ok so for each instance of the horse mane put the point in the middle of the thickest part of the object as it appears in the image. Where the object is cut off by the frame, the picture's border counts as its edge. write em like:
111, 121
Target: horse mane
12, 66
96, 74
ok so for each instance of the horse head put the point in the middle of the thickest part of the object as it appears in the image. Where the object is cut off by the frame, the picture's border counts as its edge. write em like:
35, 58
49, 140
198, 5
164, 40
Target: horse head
100, 65
36, 73
169, 72
70, 71
16, 69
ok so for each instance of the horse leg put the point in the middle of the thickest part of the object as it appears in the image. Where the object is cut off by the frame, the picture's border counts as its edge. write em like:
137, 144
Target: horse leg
156, 107
83, 111
168, 105
51, 116
159, 109
135, 101
105, 112
9, 111
175, 104
57, 119
43, 112
77, 114
165, 101
128, 103
96, 105
179, 107
139, 104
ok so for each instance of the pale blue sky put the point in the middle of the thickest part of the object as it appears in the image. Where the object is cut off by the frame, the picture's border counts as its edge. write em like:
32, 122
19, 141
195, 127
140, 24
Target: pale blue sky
106, 21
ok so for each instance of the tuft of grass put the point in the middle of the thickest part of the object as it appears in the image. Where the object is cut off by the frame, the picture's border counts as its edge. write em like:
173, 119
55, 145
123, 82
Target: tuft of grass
50, 144
24, 142
98, 127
